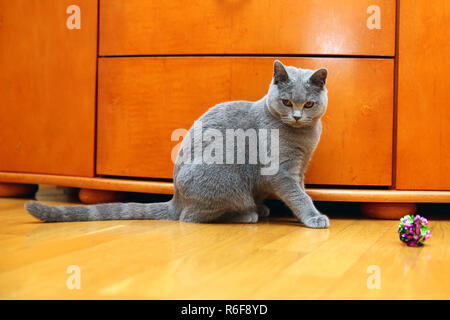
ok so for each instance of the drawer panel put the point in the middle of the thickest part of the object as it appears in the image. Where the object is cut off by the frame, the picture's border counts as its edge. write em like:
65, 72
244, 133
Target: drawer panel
353, 27
143, 100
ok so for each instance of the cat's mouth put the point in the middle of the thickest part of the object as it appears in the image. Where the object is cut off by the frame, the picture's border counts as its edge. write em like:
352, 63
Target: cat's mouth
297, 124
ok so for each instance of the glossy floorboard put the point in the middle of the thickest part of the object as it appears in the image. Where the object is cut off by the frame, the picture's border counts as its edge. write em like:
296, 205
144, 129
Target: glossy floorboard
274, 259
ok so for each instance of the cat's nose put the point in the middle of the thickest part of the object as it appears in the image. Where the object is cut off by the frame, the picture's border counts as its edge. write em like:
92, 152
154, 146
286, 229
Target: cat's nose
296, 114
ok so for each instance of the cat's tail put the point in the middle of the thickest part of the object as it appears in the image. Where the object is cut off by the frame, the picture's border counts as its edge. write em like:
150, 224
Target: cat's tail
108, 211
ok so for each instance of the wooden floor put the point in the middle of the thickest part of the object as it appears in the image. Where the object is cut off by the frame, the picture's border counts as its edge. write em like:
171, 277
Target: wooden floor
274, 259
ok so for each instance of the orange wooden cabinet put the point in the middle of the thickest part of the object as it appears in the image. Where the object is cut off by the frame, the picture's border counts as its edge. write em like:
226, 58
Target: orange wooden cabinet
350, 27
161, 64
48, 52
142, 101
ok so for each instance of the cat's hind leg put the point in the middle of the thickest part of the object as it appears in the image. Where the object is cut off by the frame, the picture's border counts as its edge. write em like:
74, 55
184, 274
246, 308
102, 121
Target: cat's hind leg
263, 211
246, 217
218, 216
200, 215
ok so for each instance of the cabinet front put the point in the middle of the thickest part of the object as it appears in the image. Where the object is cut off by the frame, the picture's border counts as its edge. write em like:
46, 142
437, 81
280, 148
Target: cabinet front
423, 143
142, 101
48, 54
350, 27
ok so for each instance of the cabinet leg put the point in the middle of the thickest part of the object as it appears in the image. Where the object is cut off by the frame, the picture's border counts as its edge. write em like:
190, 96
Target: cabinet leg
17, 189
92, 196
388, 210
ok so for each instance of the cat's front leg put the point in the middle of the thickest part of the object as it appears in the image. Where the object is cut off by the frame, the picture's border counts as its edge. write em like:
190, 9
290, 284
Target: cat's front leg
290, 191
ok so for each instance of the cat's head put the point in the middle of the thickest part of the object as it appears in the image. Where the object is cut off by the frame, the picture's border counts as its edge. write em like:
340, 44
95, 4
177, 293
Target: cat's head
298, 97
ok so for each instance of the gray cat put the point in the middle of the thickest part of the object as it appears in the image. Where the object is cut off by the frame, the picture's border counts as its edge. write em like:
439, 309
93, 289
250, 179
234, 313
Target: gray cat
234, 192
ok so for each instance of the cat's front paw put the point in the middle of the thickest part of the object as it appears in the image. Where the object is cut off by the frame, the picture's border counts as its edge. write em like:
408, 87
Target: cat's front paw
318, 222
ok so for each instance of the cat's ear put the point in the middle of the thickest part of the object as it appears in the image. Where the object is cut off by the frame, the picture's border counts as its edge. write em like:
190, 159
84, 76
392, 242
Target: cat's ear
279, 72
319, 77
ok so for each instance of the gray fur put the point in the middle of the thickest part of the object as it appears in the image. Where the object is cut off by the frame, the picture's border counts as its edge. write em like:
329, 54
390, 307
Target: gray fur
235, 192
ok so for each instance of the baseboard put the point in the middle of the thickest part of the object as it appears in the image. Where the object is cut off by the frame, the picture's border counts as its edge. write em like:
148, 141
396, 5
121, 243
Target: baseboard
160, 187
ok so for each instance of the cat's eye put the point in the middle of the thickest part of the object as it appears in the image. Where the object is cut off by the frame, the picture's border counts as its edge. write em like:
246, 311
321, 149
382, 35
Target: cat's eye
286, 102
309, 104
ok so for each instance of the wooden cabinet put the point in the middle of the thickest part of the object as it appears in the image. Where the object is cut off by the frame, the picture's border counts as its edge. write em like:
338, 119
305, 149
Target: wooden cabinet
348, 27
423, 140
143, 100
161, 64
47, 86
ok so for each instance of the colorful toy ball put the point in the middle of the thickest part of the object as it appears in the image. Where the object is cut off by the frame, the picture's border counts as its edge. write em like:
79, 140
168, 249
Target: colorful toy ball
413, 230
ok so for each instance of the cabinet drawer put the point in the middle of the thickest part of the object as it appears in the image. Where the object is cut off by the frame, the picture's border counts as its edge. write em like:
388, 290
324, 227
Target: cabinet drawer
143, 100
353, 27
